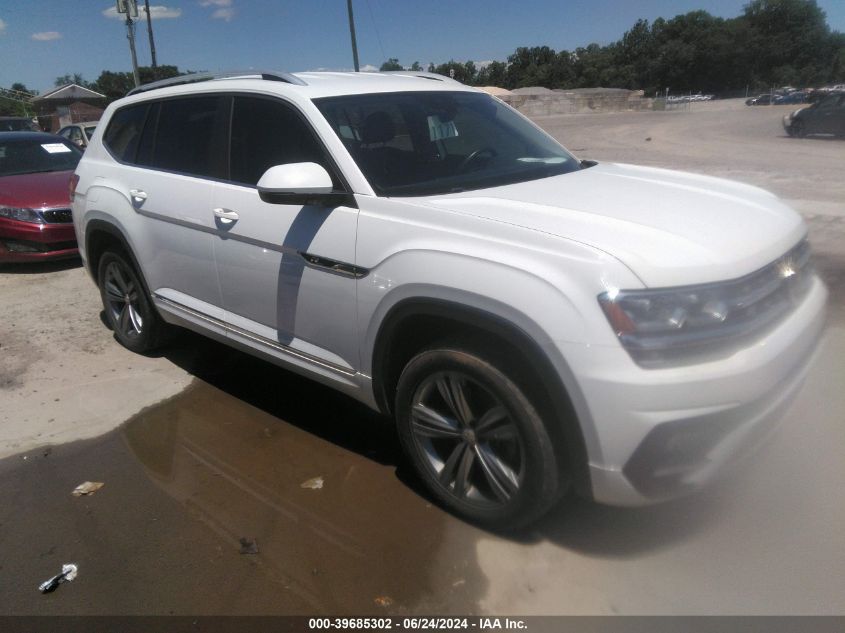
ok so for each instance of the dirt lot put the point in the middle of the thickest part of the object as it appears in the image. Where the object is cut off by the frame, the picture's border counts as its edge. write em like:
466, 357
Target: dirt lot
202, 446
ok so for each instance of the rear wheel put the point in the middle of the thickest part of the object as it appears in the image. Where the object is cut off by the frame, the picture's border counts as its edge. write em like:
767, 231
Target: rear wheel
129, 312
475, 439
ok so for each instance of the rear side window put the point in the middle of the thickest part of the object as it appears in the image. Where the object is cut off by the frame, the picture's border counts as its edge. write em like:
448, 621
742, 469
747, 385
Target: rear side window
191, 136
122, 135
265, 133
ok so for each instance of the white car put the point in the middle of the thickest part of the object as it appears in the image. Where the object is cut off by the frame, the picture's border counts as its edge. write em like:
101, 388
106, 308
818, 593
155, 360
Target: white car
79, 133
534, 323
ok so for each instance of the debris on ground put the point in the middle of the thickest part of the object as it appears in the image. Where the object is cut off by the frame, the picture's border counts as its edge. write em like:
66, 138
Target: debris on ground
383, 601
87, 488
69, 571
315, 484
248, 545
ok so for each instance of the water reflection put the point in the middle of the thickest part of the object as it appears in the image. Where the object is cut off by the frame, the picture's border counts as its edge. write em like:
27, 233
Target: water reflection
363, 536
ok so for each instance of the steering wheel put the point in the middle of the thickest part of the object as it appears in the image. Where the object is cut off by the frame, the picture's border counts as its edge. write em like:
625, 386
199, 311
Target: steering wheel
489, 152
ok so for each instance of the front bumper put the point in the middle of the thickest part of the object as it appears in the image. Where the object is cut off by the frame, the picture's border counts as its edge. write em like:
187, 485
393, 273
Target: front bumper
29, 242
659, 433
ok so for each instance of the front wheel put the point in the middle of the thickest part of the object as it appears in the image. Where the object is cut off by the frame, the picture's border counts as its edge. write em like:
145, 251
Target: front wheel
128, 310
475, 440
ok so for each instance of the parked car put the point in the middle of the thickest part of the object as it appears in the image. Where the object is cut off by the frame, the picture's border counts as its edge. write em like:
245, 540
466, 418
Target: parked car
823, 117
792, 97
79, 133
35, 216
17, 124
766, 99
532, 322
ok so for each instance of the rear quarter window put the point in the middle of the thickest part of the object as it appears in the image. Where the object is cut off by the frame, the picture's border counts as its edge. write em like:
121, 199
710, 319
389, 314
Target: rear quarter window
124, 131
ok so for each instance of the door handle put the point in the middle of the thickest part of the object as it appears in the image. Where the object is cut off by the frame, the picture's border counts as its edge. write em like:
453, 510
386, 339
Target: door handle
137, 195
226, 215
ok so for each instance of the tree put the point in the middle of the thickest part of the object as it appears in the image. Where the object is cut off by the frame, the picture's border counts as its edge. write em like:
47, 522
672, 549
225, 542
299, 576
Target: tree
19, 87
773, 42
14, 102
465, 73
115, 85
416, 66
493, 74
75, 78
391, 64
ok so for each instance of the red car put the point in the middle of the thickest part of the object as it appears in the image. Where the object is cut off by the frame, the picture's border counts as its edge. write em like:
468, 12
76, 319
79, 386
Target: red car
35, 218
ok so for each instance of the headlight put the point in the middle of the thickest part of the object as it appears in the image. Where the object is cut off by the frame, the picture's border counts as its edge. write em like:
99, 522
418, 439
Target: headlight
674, 324
22, 215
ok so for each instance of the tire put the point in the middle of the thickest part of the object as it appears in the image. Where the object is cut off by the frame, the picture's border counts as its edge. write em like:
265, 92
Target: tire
475, 440
128, 310
798, 129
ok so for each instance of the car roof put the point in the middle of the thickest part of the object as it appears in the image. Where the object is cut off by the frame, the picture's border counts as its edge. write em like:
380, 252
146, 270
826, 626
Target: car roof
310, 85
31, 136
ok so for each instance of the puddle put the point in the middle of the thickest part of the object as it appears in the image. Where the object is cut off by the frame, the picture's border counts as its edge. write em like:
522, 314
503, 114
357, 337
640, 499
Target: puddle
236, 456
186, 479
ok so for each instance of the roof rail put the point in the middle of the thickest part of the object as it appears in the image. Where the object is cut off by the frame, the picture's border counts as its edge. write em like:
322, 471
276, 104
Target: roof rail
268, 75
419, 73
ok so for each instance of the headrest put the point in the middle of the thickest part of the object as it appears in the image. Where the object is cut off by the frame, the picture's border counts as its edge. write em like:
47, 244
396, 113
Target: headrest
378, 128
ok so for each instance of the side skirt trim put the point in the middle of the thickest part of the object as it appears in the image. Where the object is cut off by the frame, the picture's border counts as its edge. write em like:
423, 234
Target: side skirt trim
274, 345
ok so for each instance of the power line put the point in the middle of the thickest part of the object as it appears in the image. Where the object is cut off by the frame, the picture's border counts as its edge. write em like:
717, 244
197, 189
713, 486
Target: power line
378, 37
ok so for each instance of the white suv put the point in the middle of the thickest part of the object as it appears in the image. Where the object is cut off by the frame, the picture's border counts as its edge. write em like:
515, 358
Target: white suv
533, 323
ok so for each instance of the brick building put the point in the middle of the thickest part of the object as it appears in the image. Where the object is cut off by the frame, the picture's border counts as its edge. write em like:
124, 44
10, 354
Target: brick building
68, 104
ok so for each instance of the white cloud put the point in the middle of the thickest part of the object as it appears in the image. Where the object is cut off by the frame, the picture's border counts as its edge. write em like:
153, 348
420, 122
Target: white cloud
223, 11
162, 12
156, 13
368, 68
46, 36
2, 27
224, 14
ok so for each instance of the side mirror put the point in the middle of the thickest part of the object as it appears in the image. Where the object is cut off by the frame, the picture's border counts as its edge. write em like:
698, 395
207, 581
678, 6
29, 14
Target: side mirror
299, 183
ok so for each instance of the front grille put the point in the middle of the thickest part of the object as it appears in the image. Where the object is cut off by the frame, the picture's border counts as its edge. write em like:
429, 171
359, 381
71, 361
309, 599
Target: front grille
25, 246
57, 216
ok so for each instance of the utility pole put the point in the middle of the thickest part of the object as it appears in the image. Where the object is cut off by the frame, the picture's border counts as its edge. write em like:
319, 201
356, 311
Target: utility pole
130, 8
150, 32
352, 33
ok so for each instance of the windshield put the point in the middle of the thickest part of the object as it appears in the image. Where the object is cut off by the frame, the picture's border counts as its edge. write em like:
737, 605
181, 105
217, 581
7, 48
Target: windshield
17, 125
28, 156
420, 143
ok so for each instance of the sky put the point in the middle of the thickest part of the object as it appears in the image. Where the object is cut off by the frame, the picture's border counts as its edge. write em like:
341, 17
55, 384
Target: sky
42, 40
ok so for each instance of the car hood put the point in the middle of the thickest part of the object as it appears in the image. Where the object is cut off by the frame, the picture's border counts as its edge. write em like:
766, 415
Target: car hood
670, 228
42, 189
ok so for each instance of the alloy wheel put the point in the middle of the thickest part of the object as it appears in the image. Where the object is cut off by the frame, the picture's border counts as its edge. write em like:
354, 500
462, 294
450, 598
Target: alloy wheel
122, 297
468, 439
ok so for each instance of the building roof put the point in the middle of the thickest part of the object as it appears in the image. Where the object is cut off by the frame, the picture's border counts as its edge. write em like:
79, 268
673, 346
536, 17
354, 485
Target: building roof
70, 91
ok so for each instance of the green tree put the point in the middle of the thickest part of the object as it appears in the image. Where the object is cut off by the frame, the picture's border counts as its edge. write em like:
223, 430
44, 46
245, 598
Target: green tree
115, 85
465, 73
416, 66
75, 78
391, 64
493, 74
13, 102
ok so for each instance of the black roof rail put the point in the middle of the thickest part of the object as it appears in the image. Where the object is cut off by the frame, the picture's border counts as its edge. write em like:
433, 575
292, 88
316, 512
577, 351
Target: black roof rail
422, 74
268, 75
